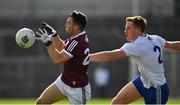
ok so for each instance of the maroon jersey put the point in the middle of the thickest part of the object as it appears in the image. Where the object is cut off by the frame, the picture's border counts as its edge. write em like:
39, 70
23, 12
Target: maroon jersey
75, 69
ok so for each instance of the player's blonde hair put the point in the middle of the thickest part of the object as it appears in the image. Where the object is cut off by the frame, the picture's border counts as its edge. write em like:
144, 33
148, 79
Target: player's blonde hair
138, 21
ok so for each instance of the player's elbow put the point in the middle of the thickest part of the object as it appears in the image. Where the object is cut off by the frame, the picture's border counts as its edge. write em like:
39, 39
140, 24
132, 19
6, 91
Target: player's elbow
56, 61
61, 58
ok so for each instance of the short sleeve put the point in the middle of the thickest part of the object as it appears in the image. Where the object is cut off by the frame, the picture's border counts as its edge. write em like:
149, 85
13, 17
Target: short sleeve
70, 47
162, 40
130, 49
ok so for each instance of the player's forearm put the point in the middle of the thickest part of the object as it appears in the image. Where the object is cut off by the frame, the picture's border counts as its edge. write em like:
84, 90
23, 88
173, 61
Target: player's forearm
173, 45
53, 53
102, 56
58, 43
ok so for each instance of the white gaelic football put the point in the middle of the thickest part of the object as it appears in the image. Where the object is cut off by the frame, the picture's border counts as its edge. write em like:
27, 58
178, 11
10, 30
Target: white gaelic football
25, 38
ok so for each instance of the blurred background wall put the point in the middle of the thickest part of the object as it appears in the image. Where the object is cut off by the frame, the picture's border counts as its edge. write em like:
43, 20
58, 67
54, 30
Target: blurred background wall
26, 72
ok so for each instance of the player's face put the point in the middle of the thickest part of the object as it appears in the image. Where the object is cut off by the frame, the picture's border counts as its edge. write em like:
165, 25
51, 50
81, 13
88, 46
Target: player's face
131, 32
69, 26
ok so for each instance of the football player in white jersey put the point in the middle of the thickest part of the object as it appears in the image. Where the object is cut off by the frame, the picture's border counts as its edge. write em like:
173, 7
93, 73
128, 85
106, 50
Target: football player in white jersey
147, 52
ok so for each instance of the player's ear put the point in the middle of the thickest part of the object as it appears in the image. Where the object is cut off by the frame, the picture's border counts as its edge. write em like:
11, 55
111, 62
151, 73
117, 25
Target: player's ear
76, 27
138, 30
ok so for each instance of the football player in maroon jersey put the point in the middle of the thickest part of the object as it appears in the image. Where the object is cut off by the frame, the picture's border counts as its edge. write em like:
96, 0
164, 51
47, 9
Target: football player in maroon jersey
74, 53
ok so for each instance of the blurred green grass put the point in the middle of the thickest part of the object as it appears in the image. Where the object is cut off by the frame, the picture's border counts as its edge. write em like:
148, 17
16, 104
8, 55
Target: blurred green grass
99, 101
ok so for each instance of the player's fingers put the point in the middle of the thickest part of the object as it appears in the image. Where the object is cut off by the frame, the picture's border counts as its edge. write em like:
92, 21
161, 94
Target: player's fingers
46, 25
43, 23
38, 38
39, 34
41, 31
44, 31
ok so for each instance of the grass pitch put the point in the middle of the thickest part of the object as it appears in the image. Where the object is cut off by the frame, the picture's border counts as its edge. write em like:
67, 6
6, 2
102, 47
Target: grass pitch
97, 101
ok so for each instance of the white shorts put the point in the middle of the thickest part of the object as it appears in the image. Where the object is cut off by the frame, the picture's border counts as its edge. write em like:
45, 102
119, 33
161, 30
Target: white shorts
75, 95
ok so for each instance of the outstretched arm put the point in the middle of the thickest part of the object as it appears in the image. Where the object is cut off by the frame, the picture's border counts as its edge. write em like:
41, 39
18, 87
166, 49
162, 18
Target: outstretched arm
107, 55
172, 45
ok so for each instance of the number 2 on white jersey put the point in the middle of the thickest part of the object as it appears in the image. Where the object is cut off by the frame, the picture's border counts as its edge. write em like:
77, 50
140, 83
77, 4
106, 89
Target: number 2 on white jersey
86, 60
159, 50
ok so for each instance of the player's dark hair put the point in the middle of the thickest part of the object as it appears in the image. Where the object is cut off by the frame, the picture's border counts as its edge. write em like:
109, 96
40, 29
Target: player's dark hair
79, 18
138, 21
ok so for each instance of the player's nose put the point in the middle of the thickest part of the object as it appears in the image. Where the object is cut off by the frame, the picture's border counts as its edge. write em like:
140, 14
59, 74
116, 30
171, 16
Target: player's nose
125, 32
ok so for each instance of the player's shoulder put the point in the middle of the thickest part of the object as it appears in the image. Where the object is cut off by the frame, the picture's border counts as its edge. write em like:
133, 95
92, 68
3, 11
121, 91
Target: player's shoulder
154, 36
80, 37
157, 39
81, 40
140, 40
130, 45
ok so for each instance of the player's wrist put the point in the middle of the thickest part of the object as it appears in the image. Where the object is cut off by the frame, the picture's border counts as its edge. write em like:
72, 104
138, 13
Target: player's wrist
48, 43
54, 35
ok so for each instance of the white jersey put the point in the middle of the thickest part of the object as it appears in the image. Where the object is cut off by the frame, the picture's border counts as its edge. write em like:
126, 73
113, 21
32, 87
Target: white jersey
147, 52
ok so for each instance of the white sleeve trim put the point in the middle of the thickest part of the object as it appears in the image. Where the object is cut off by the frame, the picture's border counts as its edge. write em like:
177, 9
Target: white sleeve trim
125, 51
72, 45
69, 54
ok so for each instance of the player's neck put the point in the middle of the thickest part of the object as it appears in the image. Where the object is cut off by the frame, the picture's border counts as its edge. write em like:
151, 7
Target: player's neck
137, 35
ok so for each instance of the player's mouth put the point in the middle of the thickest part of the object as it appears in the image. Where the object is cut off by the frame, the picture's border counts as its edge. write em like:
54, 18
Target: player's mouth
126, 35
127, 38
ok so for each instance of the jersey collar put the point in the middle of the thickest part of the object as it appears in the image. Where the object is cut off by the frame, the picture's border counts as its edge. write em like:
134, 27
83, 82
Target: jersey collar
82, 33
143, 35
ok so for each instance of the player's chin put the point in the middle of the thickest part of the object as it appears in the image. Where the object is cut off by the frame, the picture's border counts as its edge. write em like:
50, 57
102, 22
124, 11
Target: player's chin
69, 33
127, 38
66, 30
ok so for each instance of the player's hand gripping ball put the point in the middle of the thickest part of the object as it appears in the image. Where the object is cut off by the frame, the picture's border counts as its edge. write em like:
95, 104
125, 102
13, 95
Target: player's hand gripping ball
25, 38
